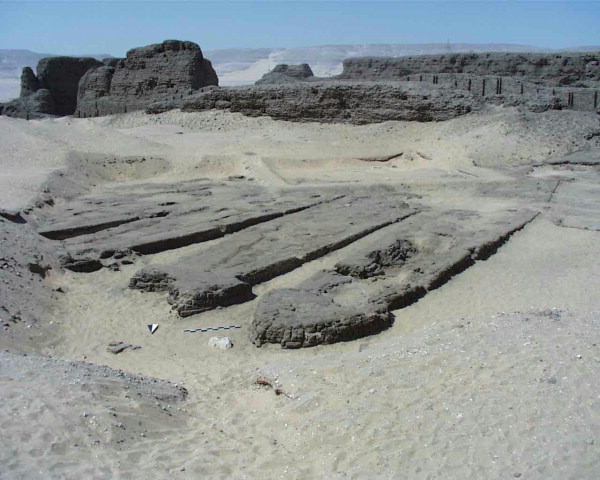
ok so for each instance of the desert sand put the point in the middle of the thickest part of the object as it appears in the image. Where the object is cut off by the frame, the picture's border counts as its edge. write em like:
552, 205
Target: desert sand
492, 375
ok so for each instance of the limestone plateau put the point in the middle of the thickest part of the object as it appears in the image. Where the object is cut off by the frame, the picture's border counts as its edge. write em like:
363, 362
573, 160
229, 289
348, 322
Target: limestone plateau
174, 74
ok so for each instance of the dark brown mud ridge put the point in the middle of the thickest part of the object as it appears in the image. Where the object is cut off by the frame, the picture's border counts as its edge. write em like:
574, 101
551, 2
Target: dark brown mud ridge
225, 273
263, 234
416, 256
104, 230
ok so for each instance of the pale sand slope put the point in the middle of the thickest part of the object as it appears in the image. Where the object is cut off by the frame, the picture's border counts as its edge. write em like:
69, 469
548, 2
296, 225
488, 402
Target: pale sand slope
33, 149
61, 414
460, 387
218, 144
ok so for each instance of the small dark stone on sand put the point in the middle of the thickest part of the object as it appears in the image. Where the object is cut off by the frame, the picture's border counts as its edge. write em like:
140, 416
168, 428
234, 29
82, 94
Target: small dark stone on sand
118, 347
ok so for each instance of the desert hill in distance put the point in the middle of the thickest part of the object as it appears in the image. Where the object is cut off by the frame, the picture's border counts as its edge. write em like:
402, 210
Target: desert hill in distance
239, 66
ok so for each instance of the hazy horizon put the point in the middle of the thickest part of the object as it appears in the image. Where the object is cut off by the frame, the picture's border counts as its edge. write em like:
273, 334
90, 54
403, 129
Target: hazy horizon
279, 47
115, 27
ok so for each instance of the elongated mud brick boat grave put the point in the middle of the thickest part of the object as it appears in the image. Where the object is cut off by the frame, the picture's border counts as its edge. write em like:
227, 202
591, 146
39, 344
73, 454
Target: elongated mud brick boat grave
265, 234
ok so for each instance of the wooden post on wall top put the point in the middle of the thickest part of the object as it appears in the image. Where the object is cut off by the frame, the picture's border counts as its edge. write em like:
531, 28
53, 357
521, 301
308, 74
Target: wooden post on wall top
469, 87
483, 87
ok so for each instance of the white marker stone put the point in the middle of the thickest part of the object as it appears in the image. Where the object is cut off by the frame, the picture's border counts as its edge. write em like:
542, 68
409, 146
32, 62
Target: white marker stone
220, 342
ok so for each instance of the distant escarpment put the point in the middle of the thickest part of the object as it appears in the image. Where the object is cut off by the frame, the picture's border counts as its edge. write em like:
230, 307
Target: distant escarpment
166, 71
550, 69
53, 91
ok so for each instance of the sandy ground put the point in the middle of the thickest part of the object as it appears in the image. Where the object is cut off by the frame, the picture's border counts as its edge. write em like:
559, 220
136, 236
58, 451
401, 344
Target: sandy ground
493, 375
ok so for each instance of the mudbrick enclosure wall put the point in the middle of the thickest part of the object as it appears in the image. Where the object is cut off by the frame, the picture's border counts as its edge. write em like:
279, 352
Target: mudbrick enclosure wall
538, 81
283, 73
338, 102
174, 74
53, 91
86, 87
550, 69
490, 87
492, 74
165, 71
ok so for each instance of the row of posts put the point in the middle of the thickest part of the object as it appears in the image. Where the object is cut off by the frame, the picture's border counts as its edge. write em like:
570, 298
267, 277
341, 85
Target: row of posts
570, 95
436, 80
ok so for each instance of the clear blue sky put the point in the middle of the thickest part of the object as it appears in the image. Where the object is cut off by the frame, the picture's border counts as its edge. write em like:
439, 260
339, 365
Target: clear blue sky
115, 26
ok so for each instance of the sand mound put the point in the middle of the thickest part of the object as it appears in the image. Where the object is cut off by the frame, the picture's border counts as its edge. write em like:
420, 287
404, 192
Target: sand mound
501, 397
76, 411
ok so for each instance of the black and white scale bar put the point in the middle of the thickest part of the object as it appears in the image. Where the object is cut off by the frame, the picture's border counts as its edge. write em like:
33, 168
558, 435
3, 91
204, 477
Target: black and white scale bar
194, 330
